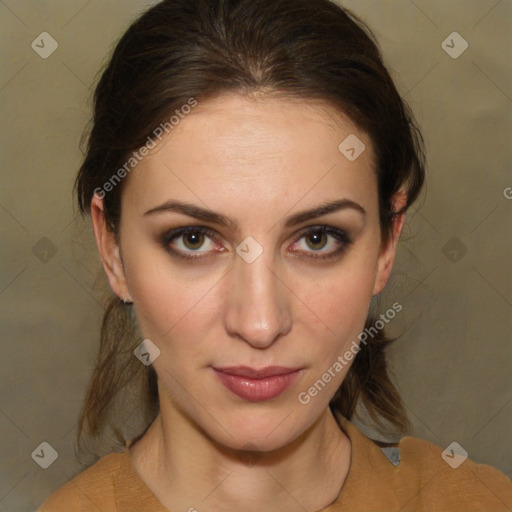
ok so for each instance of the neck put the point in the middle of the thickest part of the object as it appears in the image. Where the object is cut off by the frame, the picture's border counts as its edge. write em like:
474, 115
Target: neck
187, 470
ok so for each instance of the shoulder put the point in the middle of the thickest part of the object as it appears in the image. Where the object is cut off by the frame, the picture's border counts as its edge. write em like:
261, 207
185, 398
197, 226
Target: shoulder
448, 479
91, 490
416, 475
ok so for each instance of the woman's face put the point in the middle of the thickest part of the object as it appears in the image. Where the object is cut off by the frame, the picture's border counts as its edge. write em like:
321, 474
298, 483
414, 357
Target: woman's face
248, 286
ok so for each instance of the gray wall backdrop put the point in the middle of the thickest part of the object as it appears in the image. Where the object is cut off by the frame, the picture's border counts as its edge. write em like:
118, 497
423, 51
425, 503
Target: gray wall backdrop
452, 364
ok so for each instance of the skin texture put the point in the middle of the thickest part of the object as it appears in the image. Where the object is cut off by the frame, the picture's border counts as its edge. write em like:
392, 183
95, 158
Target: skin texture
256, 160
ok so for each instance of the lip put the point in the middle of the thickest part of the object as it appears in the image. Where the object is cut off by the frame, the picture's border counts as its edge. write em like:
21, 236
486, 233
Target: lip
257, 385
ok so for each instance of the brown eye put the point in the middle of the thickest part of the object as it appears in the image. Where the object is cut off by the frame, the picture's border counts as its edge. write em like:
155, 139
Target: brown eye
318, 240
190, 242
193, 240
322, 242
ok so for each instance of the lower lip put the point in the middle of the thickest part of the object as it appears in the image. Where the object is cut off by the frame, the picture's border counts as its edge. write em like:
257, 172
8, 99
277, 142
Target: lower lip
257, 390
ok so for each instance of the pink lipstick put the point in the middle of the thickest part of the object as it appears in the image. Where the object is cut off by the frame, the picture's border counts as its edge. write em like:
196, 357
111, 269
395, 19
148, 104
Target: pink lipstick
257, 385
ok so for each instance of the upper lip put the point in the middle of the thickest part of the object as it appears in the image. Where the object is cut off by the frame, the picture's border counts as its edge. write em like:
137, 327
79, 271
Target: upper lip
246, 371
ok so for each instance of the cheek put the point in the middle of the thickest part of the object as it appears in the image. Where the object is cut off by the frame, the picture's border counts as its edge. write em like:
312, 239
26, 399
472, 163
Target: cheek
343, 309
169, 298
344, 300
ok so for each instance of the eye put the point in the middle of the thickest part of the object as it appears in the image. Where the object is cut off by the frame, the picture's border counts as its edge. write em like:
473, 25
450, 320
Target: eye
186, 242
318, 238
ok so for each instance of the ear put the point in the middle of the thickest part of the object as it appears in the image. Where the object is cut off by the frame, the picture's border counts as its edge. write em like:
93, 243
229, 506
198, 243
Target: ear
388, 249
109, 250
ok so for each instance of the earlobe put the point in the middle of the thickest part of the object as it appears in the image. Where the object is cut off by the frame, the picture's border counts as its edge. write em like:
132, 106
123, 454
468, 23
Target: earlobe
108, 249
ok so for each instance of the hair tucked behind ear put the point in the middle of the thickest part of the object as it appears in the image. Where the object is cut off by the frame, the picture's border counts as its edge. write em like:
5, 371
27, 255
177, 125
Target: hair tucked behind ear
198, 49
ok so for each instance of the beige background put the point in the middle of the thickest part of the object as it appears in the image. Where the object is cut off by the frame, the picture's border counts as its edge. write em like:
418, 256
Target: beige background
453, 363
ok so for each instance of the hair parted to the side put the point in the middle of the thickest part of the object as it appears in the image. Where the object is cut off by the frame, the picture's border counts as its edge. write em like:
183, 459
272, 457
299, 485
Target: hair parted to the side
304, 49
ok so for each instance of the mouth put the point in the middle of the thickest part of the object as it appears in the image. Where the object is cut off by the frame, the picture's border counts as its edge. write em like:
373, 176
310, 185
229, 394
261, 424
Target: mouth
257, 385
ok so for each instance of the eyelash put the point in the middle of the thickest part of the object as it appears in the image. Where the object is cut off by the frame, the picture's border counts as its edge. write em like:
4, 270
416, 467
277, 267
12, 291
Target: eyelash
340, 235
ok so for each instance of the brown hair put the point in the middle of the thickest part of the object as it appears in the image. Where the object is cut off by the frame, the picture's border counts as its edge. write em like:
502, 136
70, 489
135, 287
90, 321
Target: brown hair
182, 49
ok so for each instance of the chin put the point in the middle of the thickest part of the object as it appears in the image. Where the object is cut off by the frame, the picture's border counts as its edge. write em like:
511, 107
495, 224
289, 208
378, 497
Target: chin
259, 429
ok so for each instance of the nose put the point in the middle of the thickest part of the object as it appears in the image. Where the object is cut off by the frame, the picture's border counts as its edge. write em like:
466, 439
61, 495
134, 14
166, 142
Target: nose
258, 307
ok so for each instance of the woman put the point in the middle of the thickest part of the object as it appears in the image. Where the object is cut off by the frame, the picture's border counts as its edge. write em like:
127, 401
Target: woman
248, 173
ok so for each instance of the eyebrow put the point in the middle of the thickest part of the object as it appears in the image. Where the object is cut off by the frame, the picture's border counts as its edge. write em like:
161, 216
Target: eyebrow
207, 215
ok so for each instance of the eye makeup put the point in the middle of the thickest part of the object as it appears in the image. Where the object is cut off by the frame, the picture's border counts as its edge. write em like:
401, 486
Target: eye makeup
328, 234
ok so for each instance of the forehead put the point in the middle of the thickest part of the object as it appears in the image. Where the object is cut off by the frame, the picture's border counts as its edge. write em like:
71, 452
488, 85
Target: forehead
233, 149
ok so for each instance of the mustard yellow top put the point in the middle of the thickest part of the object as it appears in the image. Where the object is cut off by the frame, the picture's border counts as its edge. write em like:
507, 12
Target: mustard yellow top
421, 481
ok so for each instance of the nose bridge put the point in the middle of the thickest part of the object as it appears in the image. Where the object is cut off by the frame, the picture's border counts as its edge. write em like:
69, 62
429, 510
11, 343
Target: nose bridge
257, 310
